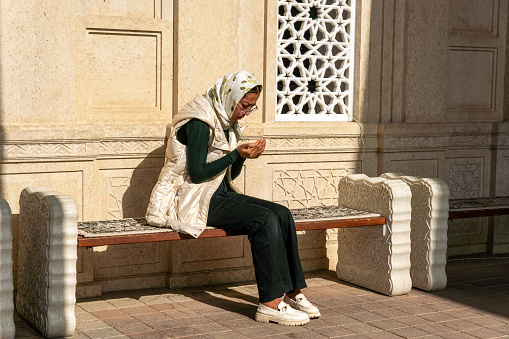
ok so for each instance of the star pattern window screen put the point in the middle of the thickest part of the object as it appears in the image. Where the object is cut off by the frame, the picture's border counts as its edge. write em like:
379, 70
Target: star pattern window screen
315, 60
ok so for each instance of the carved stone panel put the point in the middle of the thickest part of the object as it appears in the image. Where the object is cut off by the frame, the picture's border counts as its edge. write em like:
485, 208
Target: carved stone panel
208, 254
465, 177
476, 60
70, 182
131, 146
45, 149
129, 260
117, 58
123, 64
473, 16
466, 236
314, 60
472, 79
503, 189
309, 184
210, 261
127, 191
500, 241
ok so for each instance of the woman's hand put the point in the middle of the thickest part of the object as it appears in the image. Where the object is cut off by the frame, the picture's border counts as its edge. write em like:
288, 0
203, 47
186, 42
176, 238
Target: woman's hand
252, 150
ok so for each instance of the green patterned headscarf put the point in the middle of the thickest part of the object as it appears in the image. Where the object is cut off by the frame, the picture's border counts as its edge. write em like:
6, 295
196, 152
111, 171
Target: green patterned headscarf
226, 94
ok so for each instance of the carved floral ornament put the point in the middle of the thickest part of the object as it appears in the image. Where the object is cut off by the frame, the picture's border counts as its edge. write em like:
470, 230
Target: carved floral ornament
465, 180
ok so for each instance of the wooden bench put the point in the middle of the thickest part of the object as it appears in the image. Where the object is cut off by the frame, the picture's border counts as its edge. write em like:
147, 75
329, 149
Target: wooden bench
378, 258
478, 207
137, 230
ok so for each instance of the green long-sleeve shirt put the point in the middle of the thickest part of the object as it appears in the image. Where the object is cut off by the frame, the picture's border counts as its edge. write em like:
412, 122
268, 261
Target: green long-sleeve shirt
195, 134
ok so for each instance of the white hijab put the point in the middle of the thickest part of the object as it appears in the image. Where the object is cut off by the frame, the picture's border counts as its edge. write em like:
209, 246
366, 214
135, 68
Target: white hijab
226, 94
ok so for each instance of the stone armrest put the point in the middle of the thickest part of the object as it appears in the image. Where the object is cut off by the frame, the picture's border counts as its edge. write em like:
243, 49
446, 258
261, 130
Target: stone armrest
376, 257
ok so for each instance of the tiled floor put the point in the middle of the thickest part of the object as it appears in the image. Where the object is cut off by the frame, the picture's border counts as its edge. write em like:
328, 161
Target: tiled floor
475, 304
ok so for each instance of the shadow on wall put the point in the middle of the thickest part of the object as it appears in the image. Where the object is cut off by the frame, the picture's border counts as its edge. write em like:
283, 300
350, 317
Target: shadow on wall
135, 198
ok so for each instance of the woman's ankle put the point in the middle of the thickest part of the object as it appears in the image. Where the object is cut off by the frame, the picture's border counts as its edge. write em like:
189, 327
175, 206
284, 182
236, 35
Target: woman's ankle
273, 303
293, 294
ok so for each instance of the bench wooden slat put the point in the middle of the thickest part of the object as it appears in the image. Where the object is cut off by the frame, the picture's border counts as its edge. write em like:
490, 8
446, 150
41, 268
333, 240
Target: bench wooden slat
478, 207
481, 212
214, 233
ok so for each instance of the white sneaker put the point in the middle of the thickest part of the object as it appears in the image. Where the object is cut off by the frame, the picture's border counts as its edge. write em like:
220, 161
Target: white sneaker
301, 303
285, 315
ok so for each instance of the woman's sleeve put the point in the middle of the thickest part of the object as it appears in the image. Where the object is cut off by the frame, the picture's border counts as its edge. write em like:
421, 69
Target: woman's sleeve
197, 135
237, 166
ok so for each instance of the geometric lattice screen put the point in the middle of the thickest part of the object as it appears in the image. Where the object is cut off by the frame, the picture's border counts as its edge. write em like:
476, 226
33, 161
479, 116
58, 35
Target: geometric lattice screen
315, 60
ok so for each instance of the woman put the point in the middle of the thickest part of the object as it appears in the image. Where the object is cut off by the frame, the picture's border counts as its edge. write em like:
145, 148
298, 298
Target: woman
195, 189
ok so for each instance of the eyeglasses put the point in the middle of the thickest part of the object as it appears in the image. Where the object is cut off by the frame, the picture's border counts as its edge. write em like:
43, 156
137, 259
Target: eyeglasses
247, 110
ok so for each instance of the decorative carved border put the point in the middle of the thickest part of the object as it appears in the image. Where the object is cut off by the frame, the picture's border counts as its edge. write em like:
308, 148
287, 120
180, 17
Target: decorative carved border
45, 149
415, 142
469, 141
67, 150
276, 144
131, 146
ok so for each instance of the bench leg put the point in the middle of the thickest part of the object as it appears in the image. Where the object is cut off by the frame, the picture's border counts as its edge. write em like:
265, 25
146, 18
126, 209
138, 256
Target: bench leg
47, 261
430, 212
376, 257
7, 328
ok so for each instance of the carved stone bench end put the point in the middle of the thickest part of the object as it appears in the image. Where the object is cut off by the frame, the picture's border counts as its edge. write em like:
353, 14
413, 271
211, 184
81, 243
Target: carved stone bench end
7, 328
430, 212
376, 257
47, 261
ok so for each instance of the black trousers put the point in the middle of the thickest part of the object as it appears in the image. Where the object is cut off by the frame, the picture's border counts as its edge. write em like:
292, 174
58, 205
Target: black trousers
271, 230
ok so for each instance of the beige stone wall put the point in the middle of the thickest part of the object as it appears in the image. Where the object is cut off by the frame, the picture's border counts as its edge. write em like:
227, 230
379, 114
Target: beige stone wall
85, 100
88, 88
451, 124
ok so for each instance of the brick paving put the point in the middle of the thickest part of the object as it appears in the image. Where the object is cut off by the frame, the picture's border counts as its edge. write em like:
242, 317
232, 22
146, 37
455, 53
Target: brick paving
475, 304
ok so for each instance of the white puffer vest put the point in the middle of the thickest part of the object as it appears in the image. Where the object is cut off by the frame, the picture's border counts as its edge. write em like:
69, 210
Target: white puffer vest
177, 202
